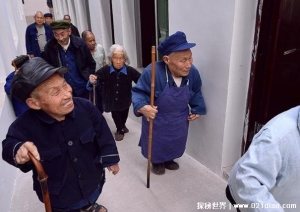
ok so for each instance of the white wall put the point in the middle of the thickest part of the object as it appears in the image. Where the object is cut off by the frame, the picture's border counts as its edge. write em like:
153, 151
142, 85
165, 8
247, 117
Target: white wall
239, 75
32, 6
223, 59
12, 44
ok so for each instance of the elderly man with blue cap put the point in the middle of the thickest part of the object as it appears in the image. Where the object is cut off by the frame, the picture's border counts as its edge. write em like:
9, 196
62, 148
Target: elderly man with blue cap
178, 99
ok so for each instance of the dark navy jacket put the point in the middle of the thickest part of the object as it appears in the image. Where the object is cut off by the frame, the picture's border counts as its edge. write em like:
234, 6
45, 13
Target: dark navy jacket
73, 152
32, 45
83, 59
19, 107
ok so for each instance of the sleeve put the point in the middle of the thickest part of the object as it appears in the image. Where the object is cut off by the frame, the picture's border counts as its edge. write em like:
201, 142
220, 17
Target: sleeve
196, 103
27, 41
255, 175
108, 154
10, 146
141, 91
135, 74
7, 85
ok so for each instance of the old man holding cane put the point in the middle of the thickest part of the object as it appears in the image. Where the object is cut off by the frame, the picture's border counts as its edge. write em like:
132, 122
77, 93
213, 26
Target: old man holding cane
177, 87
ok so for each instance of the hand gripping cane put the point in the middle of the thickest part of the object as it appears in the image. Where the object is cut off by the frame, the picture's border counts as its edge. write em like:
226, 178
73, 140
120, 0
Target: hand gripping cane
151, 120
42, 178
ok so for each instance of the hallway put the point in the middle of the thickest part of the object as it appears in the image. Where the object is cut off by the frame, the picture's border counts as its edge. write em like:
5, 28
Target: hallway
184, 190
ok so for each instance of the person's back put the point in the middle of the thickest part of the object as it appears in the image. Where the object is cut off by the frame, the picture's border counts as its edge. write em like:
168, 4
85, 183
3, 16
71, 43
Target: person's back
267, 175
74, 29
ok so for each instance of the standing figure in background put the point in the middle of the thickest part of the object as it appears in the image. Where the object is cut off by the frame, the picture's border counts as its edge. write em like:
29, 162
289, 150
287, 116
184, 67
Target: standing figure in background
98, 54
70, 51
116, 80
178, 100
37, 35
96, 49
48, 18
74, 29
18, 106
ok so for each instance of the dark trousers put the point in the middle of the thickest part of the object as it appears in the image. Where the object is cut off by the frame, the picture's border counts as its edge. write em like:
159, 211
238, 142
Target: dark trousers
120, 118
230, 198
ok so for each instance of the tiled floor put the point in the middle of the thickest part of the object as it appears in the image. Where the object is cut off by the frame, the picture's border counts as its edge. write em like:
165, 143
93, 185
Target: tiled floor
183, 190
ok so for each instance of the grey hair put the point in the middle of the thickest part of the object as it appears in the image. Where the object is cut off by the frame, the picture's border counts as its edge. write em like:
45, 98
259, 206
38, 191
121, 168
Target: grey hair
119, 48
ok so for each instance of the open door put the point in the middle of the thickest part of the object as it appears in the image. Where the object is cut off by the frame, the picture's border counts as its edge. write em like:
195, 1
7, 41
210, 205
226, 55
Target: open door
275, 75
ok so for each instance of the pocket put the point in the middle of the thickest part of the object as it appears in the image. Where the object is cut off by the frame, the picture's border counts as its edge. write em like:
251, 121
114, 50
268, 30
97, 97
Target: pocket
88, 136
51, 162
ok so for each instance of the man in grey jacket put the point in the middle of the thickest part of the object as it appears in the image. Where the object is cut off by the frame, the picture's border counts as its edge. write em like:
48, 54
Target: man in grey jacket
266, 177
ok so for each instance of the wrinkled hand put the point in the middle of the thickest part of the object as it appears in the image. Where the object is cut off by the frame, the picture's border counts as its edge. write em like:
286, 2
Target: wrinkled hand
114, 169
22, 154
193, 117
148, 111
92, 78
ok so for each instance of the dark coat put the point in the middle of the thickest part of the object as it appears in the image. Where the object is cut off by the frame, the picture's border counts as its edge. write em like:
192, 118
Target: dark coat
84, 59
73, 152
74, 30
116, 88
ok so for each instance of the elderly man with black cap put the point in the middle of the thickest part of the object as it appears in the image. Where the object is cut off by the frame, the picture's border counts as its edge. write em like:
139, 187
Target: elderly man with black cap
48, 18
72, 52
178, 100
69, 136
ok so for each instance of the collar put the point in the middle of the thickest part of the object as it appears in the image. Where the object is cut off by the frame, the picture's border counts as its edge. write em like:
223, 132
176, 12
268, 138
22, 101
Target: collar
48, 119
123, 70
65, 47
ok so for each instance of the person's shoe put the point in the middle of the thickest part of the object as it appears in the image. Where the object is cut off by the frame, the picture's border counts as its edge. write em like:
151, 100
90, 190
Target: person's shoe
158, 168
171, 165
119, 135
125, 130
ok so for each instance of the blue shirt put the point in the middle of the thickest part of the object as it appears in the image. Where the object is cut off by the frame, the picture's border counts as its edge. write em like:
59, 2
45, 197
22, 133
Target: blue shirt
141, 91
269, 172
73, 152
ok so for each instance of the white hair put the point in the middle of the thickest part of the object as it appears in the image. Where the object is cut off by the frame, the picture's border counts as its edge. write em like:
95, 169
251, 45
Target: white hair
119, 48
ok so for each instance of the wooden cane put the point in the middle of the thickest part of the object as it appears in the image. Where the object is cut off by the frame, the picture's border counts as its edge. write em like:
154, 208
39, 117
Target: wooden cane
42, 178
94, 93
151, 120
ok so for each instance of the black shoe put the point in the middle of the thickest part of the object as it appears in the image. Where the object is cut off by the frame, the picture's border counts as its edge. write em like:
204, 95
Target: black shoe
158, 168
125, 130
171, 165
119, 135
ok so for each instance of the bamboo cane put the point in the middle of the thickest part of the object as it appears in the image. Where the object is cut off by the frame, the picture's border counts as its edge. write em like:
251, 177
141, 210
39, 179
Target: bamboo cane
42, 178
151, 120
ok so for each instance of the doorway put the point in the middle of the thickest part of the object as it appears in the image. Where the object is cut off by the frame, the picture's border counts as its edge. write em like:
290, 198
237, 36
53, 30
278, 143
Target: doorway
275, 74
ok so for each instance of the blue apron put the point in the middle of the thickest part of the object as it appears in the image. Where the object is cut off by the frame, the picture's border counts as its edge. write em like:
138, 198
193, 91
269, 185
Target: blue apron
170, 126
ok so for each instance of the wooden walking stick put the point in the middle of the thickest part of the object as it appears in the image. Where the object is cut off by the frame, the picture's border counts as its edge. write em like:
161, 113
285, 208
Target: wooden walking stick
94, 93
151, 120
42, 178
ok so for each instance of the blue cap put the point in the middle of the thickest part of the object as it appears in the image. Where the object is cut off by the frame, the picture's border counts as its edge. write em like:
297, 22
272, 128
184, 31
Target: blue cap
173, 43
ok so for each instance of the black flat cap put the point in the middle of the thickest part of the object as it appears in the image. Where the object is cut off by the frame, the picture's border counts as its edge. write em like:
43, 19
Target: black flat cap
60, 24
31, 74
48, 15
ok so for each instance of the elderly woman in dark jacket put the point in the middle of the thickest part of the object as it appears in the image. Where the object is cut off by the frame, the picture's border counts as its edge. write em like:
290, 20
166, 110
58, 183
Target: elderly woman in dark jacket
116, 81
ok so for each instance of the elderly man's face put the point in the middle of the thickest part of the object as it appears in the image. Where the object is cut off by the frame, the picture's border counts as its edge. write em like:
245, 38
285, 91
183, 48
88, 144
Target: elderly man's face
39, 19
179, 63
62, 36
54, 96
48, 20
90, 41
